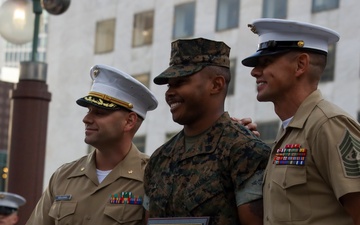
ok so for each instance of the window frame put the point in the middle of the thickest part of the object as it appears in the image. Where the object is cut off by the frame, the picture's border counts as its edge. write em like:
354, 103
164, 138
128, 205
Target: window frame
324, 5
223, 14
105, 36
183, 9
276, 8
329, 71
143, 29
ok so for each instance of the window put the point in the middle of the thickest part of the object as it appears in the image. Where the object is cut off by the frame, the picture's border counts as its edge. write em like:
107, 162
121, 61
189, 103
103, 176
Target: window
330, 66
231, 88
227, 14
268, 131
184, 19
274, 9
139, 142
143, 78
143, 28
105, 36
322, 5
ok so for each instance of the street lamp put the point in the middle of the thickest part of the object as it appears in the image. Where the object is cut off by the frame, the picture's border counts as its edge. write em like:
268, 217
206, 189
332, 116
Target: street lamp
29, 101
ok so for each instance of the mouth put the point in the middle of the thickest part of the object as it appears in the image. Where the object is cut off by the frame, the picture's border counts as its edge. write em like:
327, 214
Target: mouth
260, 83
89, 130
174, 105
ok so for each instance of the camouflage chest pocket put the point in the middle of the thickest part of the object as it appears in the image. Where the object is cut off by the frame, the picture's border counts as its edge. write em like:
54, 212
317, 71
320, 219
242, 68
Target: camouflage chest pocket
204, 195
62, 212
289, 193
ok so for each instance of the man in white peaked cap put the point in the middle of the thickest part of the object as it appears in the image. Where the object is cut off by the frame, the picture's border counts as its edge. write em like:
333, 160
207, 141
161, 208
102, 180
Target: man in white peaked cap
106, 186
313, 175
9, 205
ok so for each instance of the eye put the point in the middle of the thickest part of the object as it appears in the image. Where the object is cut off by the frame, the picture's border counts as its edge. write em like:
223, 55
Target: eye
98, 111
177, 82
264, 62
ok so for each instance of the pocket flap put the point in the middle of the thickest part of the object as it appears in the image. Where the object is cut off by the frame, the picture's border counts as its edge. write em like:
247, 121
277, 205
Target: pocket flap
288, 176
61, 209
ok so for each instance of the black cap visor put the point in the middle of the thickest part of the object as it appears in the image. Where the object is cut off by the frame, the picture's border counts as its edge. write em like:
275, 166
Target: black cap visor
98, 102
5, 211
253, 60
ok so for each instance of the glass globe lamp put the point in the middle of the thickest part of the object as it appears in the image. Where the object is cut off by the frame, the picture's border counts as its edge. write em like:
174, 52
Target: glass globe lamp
17, 21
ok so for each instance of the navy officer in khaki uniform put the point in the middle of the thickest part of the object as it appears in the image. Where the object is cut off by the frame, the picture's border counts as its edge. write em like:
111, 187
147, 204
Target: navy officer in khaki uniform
106, 186
9, 206
313, 175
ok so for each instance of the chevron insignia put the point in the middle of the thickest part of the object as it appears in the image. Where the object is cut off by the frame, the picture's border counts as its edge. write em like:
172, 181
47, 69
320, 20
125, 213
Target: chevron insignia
349, 150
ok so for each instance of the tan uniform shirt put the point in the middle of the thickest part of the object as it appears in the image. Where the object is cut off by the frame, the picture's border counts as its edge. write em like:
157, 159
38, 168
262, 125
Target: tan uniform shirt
74, 195
307, 190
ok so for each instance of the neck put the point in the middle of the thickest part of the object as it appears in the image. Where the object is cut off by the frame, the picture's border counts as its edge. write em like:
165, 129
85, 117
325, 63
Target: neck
287, 106
200, 126
107, 159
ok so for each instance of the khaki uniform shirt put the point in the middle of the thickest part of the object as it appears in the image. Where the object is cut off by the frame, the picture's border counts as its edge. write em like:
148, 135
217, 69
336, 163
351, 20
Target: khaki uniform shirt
203, 180
74, 195
306, 189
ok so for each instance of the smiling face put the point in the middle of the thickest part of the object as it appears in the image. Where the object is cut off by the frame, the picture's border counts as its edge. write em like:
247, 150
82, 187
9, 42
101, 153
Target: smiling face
104, 127
274, 77
188, 97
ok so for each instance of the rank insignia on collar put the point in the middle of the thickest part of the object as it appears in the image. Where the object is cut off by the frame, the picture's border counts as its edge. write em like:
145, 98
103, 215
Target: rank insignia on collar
292, 154
125, 198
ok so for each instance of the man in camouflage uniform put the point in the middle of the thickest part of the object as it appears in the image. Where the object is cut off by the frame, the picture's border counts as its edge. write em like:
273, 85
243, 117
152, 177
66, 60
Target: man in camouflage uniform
214, 166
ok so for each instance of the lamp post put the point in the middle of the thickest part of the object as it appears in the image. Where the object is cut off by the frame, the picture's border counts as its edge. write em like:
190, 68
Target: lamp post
29, 115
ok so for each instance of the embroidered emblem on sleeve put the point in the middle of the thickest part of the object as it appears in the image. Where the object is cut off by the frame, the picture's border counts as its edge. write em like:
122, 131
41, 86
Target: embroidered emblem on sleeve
349, 150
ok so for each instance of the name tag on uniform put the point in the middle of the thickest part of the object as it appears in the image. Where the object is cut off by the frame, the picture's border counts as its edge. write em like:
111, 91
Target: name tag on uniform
63, 198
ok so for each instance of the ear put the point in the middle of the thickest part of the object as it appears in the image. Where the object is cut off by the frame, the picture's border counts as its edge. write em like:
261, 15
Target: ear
217, 84
303, 62
131, 121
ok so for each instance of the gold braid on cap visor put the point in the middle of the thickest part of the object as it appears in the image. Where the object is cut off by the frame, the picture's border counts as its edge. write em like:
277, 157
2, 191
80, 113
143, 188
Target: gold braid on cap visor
109, 99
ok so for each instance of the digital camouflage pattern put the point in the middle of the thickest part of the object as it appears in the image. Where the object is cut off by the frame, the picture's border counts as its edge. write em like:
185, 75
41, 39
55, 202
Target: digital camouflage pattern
189, 56
203, 180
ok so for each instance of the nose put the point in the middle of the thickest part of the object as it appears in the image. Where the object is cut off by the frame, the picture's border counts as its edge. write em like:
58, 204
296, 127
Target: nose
87, 118
169, 92
256, 72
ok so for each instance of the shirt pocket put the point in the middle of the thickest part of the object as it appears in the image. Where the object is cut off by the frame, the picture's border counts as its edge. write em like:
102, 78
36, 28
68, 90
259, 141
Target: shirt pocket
124, 213
62, 212
290, 194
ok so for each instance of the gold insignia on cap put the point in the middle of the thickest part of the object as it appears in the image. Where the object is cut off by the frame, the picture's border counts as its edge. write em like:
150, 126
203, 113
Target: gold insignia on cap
96, 72
300, 44
82, 168
111, 99
130, 171
252, 28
